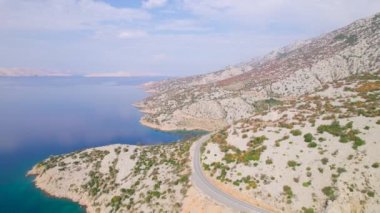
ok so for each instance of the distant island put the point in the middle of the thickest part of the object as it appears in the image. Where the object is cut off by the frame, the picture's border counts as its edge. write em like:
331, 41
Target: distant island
23, 72
294, 131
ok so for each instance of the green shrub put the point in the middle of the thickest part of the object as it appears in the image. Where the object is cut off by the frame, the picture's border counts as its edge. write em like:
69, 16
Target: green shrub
296, 132
350, 39
312, 145
343, 139
269, 161
308, 210
308, 137
256, 141
306, 184
340, 37
184, 179
329, 192
371, 194
341, 170
116, 202
358, 142
264, 105
325, 161
288, 193
345, 133
334, 128
320, 170
308, 174
293, 164
255, 156
375, 165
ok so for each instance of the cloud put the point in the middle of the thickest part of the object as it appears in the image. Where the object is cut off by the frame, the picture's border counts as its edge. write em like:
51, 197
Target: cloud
161, 57
181, 25
182, 38
64, 15
316, 14
150, 4
131, 34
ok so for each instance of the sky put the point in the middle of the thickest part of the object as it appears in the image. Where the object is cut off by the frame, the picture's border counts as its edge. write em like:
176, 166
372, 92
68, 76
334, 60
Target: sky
160, 37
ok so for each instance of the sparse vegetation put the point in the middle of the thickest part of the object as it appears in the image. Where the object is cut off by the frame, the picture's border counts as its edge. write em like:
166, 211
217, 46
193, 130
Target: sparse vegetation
324, 161
329, 192
296, 132
306, 184
368, 87
349, 39
288, 193
308, 137
308, 210
269, 161
345, 133
293, 164
371, 194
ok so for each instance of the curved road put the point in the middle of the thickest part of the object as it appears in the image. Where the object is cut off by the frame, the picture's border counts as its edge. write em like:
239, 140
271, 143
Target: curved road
201, 182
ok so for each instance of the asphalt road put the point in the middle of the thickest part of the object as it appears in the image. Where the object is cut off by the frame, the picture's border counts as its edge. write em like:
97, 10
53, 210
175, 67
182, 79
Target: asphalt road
200, 181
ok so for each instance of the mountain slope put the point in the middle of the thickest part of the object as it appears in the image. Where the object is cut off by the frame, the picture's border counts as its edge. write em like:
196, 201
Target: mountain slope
217, 99
318, 153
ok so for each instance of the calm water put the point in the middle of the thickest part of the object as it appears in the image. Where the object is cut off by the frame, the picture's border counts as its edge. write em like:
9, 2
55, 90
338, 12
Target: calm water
47, 116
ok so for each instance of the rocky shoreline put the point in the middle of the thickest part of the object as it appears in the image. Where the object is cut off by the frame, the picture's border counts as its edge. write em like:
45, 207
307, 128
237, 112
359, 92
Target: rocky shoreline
114, 178
85, 204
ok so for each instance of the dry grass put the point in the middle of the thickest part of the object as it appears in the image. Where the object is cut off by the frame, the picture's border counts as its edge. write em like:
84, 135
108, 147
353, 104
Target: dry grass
368, 87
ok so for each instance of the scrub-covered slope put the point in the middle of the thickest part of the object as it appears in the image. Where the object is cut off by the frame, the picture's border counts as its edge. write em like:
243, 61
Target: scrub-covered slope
217, 99
120, 178
317, 153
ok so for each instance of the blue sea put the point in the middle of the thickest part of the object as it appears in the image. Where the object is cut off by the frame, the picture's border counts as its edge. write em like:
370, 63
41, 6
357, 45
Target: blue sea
43, 116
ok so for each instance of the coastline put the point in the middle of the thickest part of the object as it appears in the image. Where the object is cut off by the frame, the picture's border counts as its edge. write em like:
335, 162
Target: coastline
84, 204
183, 122
191, 123
48, 185
167, 128
68, 183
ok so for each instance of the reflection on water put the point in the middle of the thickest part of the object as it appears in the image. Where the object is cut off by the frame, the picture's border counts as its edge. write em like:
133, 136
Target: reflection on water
45, 116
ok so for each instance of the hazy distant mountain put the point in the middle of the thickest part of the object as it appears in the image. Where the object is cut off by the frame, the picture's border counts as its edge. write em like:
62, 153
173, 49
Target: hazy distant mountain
21, 72
217, 99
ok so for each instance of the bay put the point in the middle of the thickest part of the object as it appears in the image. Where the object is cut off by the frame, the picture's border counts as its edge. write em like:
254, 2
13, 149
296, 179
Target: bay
43, 116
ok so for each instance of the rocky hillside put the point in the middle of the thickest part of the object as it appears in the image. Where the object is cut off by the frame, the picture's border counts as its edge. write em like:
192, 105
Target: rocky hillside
317, 153
217, 99
120, 178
